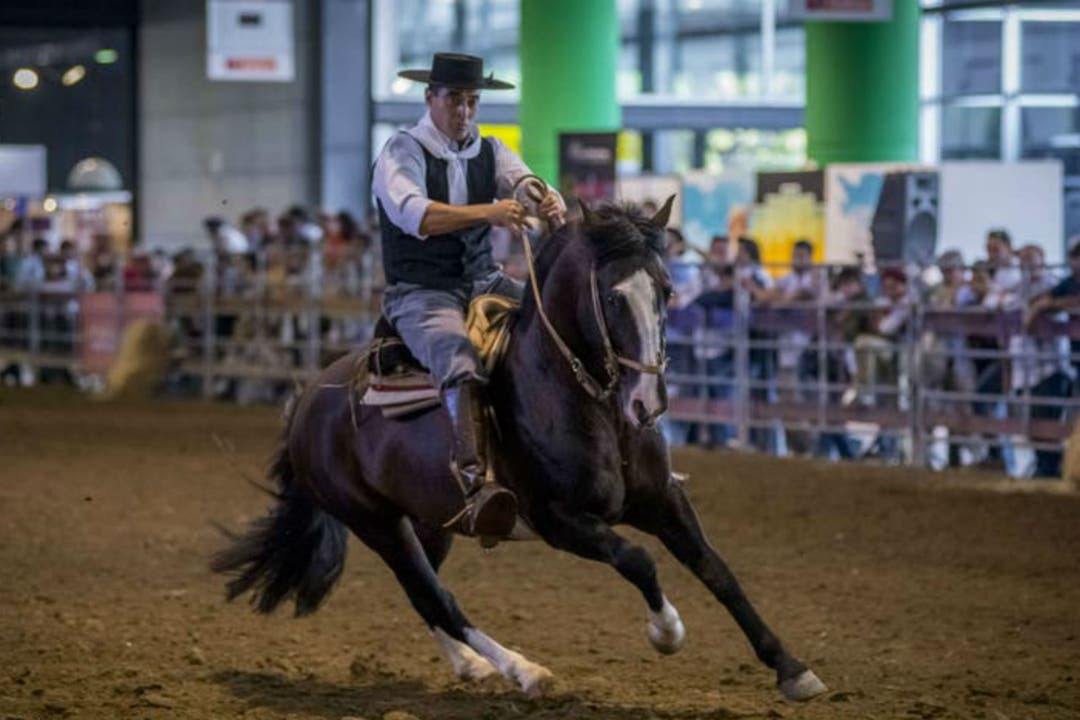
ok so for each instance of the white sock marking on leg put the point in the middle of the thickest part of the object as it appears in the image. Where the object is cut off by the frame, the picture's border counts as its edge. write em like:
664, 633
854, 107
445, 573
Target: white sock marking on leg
529, 676
666, 630
467, 664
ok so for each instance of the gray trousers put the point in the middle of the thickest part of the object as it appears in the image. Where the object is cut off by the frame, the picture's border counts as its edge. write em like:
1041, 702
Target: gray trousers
432, 324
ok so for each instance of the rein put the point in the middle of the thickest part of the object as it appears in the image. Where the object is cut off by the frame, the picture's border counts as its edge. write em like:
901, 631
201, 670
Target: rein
536, 190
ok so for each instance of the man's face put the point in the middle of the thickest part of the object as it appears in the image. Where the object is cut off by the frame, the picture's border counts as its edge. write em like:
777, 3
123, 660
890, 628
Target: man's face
952, 275
800, 258
980, 280
1074, 263
452, 110
894, 289
996, 250
850, 288
1031, 258
718, 250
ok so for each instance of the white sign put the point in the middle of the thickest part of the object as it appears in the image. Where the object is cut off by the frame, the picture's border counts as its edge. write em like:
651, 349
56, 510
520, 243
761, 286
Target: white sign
22, 171
250, 40
858, 10
1024, 198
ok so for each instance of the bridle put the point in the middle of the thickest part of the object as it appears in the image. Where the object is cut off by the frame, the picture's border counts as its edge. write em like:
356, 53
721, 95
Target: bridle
536, 190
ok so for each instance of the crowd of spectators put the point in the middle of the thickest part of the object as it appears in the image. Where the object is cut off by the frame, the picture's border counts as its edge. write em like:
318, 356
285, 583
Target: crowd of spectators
335, 246
863, 358
296, 256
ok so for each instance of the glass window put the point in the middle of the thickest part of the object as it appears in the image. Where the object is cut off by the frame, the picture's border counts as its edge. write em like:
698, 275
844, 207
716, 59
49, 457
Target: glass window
725, 66
1072, 212
971, 58
408, 32
1053, 133
970, 133
789, 64
673, 151
750, 148
628, 73
1051, 57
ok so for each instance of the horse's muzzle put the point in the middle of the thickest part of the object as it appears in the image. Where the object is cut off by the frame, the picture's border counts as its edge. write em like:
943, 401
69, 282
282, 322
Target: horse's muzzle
644, 417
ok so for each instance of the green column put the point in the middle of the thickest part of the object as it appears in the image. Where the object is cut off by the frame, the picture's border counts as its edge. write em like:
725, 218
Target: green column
569, 52
862, 89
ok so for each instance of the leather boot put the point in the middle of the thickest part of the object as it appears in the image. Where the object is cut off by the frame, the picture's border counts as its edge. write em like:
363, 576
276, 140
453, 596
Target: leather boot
491, 510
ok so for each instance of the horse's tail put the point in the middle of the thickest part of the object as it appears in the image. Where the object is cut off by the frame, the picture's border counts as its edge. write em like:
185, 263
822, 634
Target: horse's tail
297, 551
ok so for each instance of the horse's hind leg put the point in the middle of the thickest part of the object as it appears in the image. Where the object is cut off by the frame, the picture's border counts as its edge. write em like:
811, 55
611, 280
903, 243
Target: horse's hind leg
678, 528
467, 664
406, 556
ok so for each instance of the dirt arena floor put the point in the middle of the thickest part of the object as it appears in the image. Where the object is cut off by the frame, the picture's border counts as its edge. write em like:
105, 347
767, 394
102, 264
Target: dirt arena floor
912, 595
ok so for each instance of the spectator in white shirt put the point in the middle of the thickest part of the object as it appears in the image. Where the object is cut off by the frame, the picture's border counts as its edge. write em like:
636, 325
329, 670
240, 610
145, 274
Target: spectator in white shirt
1006, 277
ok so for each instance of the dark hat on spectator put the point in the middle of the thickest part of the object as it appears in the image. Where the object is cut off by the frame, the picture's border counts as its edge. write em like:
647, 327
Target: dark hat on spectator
950, 259
895, 273
1074, 245
454, 70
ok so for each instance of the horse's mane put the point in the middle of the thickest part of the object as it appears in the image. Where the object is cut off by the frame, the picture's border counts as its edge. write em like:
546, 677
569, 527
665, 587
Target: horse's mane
612, 231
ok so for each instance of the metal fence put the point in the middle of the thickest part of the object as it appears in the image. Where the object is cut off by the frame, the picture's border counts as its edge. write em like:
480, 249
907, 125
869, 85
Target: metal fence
769, 374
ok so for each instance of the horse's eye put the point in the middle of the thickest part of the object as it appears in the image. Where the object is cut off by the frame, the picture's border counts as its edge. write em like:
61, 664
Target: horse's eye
612, 298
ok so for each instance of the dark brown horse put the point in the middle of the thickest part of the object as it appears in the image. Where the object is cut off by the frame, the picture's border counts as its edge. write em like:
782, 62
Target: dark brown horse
577, 444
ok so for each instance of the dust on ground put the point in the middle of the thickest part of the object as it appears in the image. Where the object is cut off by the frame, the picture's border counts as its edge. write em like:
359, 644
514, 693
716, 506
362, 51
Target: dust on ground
912, 595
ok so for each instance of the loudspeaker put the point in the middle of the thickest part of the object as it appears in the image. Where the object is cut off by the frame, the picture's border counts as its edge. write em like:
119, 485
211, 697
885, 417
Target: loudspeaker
904, 227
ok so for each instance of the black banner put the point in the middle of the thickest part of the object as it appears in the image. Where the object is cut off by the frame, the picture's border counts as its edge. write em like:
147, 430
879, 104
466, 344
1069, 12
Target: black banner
587, 165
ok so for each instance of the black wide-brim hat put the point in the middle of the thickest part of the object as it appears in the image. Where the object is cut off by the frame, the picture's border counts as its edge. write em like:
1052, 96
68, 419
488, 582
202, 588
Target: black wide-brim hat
463, 72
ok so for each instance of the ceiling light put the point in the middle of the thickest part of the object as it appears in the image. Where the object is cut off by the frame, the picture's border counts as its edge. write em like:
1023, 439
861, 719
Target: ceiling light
25, 79
73, 74
49, 205
105, 56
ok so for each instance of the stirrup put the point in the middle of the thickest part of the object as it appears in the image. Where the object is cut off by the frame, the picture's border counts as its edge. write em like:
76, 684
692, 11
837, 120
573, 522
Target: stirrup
490, 513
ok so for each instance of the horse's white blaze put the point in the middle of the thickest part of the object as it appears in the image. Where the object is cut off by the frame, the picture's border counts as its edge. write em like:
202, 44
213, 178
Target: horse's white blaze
466, 663
640, 294
529, 676
666, 630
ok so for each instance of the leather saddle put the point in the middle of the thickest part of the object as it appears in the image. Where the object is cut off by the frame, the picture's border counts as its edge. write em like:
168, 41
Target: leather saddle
397, 382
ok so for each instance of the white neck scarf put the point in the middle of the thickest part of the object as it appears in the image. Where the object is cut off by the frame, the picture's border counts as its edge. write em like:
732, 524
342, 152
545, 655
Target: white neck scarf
441, 147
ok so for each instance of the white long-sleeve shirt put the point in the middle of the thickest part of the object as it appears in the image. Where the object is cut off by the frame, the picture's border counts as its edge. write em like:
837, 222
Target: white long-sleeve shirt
399, 180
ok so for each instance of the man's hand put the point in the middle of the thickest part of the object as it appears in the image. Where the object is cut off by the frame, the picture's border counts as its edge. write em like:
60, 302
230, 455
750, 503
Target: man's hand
507, 213
551, 209
1039, 305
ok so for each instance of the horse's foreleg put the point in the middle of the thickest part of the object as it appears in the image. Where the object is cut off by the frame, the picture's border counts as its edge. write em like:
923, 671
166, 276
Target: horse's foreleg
467, 648
678, 528
594, 539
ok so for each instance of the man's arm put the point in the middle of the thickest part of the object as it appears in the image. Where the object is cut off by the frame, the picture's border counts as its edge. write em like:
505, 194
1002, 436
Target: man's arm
441, 218
398, 183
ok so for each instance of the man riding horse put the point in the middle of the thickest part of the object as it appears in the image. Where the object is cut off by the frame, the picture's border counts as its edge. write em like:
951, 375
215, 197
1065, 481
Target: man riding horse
440, 188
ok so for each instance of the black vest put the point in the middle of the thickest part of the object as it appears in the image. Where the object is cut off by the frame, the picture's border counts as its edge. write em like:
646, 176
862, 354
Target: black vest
453, 260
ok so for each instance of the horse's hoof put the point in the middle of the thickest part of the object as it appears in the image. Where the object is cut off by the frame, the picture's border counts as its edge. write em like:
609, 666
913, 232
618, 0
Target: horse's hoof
802, 687
474, 669
666, 630
535, 680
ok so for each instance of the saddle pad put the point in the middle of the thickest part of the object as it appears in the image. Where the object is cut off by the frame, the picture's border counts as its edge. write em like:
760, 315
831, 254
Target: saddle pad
397, 389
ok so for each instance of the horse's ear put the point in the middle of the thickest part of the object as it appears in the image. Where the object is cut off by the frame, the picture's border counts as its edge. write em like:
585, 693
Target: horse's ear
663, 215
588, 217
